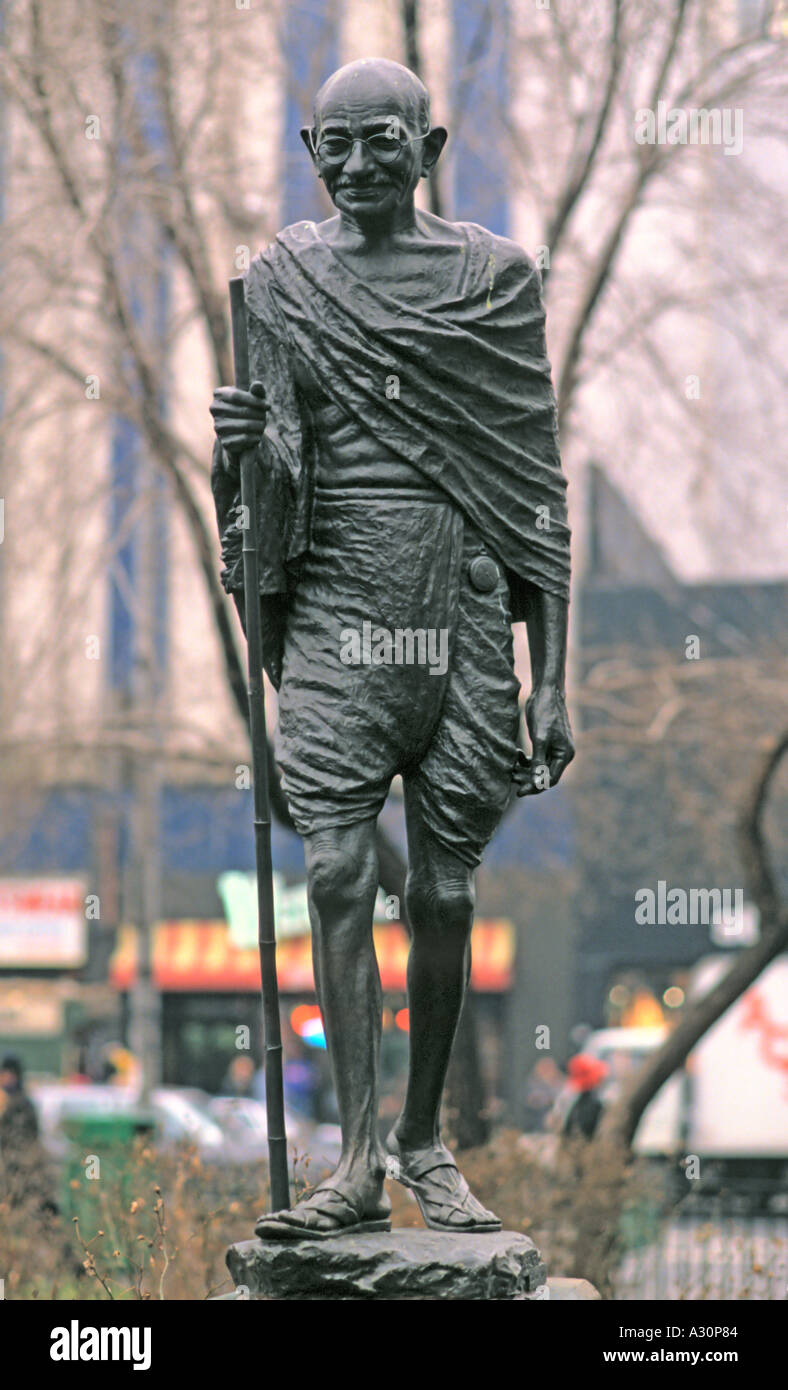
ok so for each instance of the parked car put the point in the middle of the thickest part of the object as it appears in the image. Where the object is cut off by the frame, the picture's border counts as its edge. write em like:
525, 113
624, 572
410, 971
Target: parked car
175, 1116
245, 1126
223, 1129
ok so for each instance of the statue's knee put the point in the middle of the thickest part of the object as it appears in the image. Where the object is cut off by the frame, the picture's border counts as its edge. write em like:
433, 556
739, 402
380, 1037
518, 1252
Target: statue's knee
339, 873
439, 904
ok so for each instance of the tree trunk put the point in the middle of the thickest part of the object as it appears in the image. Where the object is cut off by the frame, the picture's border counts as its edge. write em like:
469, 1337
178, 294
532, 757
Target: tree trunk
622, 1119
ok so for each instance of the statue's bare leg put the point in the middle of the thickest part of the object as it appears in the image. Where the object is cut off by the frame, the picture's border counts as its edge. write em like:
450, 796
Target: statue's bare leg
440, 901
342, 876
342, 882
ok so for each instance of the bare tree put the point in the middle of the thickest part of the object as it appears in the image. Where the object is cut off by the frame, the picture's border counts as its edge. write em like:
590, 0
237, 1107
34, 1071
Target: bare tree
172, 188
621, 1120
165, 181
662, 250
630, 325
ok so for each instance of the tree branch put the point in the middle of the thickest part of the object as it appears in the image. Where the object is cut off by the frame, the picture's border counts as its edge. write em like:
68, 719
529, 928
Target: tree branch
621, 1120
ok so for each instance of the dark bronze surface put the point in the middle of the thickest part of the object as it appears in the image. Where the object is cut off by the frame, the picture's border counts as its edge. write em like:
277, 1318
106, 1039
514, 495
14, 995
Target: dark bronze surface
410, 507
483, 574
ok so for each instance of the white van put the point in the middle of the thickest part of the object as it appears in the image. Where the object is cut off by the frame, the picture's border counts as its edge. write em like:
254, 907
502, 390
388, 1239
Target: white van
729, 1106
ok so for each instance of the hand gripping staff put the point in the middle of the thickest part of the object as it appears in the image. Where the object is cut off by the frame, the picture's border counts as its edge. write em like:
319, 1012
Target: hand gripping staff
266, 936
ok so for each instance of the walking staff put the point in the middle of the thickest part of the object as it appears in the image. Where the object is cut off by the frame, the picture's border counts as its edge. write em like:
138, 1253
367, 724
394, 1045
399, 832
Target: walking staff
266, 936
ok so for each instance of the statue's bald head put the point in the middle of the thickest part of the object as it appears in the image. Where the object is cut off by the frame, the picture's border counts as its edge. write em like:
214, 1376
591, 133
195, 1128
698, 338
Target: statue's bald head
375, 83
372, 142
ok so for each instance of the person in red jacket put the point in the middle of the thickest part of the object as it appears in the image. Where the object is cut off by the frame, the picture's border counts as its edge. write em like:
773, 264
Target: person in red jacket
586, 1074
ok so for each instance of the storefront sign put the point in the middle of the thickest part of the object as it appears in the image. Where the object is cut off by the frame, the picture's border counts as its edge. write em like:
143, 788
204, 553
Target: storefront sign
204, 956
42, 923
238, 892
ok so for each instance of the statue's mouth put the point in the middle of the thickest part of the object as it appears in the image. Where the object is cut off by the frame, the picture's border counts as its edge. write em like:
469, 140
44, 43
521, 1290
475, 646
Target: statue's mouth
364, 185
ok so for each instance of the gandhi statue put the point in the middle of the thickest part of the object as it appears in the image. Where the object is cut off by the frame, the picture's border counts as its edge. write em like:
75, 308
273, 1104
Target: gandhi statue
411, 502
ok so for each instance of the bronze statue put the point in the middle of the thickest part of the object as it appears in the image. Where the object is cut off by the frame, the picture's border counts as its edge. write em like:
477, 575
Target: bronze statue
411, 507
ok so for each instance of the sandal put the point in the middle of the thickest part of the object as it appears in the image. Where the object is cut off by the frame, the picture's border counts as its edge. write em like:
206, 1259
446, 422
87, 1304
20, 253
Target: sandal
333, 1203
438, 1204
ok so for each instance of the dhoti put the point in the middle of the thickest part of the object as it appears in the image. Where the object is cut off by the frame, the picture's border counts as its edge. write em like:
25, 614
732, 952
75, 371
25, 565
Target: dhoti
398, 659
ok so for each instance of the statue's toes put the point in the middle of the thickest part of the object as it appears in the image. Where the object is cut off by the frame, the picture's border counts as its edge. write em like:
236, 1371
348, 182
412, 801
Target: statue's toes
309, 1220
461, 1220
477, 1211
469, 1209
467, 1214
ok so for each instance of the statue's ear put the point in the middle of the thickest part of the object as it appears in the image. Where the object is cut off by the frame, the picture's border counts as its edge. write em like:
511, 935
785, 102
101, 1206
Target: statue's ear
306, 135
433, 145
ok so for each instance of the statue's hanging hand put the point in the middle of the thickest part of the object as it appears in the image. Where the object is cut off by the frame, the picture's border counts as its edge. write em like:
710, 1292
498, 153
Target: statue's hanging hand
239, 419
551, 742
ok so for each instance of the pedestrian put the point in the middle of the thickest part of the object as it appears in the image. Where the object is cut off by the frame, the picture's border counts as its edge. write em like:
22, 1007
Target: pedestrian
542, 1089
239, 1078
586, 1074
23, 1171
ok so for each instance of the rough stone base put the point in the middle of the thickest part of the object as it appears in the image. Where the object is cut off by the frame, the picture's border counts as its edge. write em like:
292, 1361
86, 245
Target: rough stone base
397, 1265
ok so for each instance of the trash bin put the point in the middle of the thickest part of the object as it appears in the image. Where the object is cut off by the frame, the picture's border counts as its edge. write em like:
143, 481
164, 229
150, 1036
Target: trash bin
99, 1179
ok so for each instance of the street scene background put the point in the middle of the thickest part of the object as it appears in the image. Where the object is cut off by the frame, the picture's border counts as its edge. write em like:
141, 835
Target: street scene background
619, 1088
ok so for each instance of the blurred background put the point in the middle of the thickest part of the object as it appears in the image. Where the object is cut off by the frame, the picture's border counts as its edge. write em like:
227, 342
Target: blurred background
144, 158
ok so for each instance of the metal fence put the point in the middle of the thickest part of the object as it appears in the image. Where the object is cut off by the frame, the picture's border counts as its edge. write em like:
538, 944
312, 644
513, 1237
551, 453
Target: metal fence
711, 1256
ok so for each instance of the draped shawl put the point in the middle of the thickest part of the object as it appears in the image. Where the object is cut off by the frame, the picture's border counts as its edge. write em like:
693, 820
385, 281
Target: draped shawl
460, 388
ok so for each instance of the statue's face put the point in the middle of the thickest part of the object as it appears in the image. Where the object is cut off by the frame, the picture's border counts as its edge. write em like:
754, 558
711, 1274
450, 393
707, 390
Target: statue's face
373, 180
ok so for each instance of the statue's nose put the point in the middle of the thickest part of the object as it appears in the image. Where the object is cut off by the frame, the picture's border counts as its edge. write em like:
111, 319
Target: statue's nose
359, 158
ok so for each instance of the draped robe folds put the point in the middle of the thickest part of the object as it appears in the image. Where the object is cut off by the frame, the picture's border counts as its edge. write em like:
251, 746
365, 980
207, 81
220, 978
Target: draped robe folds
460, 389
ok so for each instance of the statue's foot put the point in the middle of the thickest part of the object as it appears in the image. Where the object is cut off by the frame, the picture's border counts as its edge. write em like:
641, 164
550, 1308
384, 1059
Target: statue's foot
444, 1197
335, 1208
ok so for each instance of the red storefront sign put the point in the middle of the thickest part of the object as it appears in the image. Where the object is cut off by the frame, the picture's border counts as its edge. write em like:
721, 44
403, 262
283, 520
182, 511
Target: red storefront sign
201, 956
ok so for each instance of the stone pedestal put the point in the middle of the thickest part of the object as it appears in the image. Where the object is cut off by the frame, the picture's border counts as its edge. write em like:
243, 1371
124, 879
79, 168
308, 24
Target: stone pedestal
396, 1265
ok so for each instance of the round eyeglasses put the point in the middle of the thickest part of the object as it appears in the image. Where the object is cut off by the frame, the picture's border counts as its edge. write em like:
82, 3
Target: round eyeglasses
384, 148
